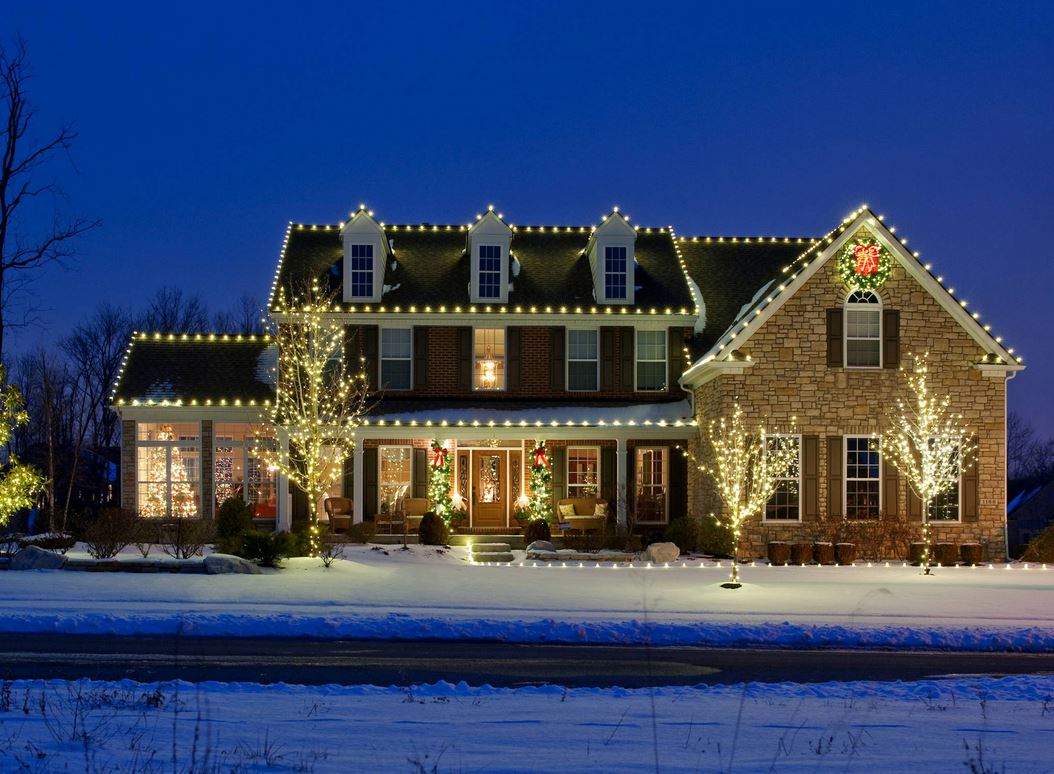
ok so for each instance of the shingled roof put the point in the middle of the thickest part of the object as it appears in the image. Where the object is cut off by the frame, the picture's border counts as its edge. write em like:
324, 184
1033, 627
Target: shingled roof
433, 269
196, 369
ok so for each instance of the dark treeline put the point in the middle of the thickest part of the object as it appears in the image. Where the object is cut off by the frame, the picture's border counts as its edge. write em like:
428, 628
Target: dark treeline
73, 436
1028, 456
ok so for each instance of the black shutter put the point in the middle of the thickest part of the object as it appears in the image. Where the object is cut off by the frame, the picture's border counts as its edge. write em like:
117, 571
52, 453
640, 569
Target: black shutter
300, 515
608, 476
835, 506
369, 481
464, 358
348, 485
369, 335
558, 458
420, 357
810, 477
352, 347
890, 490
677, 489
970, 503
420, 467
557, 350
513, 357
607, 357
675, 357
835, 350
914, 506
890, 338
629, 362
631, 480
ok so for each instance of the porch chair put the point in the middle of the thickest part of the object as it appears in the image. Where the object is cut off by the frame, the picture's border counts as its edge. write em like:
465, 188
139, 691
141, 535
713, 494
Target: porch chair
340, 511
390, 519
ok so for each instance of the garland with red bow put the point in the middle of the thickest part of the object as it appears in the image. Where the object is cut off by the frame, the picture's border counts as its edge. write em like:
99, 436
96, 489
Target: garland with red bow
865, 264
540, 486
440, 481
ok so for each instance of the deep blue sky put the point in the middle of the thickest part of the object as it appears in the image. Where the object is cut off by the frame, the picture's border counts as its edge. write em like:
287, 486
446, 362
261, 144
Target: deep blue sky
203, 129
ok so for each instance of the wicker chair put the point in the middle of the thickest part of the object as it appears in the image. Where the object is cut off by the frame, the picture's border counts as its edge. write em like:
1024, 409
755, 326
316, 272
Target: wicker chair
340, 511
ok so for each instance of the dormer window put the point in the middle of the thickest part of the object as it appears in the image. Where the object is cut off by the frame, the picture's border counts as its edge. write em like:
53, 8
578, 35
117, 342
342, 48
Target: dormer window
611, 260
615, 273
488, 245
366, 249
489, 271
361, 270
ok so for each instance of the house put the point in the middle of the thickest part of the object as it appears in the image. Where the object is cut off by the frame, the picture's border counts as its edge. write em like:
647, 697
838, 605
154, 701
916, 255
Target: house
613, 343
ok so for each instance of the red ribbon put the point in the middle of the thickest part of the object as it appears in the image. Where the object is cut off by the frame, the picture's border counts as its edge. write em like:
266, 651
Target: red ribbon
540, 459
867, 257
439, 457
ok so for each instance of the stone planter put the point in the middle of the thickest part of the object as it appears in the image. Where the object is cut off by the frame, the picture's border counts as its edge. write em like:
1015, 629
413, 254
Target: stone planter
845, 553
823, 553
971, 554
915, 553
801, 553
779, 553
946, 554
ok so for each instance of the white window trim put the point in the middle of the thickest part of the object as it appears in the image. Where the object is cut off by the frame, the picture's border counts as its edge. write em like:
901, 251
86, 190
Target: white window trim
627, 273
665, 362
504, 358
381, 358
959, 502
380, 481
567, 468
373, 271
764, 518
169, 446
845, 476
666, 451
845, 332
502, 260
567, 356
245, 446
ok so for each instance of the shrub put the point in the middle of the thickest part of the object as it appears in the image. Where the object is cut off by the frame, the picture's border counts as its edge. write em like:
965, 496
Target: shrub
110, 533
234, 518
267, 549
49, 541
713, 538
683, 531
537, 529
146, 533
185, 538
433, 530
587, 542
363, 532
1041, 549
331, 547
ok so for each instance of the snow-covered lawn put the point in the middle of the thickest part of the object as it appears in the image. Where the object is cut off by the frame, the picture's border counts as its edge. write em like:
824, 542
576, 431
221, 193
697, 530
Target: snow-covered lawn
422, 593
995, 725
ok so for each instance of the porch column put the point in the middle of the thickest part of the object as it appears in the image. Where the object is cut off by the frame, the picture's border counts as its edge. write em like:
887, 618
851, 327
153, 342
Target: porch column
620, 487
284, 521
357, 482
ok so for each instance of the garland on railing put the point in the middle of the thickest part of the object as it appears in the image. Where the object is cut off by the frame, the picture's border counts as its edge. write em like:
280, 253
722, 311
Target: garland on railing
540, 486
440, 479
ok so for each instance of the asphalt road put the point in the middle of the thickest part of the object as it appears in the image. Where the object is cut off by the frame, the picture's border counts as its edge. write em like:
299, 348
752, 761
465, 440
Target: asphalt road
314, 662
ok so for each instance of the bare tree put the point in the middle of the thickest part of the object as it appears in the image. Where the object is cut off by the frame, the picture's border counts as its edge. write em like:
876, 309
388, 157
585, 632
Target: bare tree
171, 311
23, 162
246, 317
1027, 455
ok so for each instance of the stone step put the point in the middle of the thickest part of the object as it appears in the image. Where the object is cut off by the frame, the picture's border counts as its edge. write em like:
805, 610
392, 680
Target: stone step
493, 556
493, 548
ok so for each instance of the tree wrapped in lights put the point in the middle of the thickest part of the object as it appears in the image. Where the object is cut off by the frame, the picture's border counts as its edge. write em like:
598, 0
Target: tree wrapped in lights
746, 467
319, 399
540, 485
440, 479
19, 483
928, 443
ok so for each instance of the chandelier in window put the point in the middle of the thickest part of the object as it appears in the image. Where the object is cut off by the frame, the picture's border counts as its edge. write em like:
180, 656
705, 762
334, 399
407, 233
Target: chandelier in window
488, 372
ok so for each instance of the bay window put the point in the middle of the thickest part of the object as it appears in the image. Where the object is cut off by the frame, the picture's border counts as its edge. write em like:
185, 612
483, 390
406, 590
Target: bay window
168, 469
238, 469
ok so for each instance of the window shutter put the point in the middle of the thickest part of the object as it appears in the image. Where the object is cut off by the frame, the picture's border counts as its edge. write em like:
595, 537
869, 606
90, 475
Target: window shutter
369, 484
352, 347
890, 338
835, 346
557, 349
810, 477
513, 357
608, 475
559, 463
890, 490
970, 504
369, 335
914, 505
300, 516
629, 357
631, 481
607, 357
348, 485
835, 505
677, 486
420, 488
674, 357
464, 358
420, 357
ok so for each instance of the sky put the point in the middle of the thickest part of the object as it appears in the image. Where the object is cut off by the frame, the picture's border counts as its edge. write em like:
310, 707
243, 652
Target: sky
205, 128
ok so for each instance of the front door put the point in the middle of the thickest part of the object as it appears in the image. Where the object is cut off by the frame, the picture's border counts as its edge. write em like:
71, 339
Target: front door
489, 489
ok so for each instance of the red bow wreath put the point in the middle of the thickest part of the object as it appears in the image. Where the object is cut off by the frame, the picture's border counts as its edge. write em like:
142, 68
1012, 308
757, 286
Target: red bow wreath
867, 258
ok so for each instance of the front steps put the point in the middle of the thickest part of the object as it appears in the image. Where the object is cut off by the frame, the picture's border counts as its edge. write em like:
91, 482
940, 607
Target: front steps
512, 541
491, 552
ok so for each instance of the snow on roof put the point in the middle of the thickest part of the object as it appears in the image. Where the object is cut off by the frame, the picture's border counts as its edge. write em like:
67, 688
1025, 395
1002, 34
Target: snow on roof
677, 413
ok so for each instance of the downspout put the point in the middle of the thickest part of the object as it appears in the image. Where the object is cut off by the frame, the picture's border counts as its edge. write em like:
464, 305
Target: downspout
1006, 464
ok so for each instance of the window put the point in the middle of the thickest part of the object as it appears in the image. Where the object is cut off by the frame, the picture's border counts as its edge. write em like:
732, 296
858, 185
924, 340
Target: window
488, 350
238, 472
785, 504
651, 499
583, 471
945, 506
490, 271
614, 273
862, 478
395, 475
362, 271
651, 360
582, 362
168, 469
396, 356
863, 330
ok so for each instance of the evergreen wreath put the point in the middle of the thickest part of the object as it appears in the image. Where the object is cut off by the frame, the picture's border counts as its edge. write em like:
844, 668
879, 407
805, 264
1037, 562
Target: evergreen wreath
865, 265
540, 487
440, 476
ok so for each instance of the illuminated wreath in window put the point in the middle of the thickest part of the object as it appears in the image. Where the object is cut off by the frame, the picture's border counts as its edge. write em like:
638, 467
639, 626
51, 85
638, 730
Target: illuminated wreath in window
865, 265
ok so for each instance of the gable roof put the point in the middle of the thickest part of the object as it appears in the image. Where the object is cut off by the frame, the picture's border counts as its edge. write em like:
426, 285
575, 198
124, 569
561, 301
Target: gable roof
550, 267
190, 369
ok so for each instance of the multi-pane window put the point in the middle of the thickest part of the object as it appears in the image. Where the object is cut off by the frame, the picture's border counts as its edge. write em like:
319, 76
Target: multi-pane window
651, 360
396, 358
238, 469
582, 362
168, 469
396, 463
614, 273
651, 495
863, 330
362, 271
785, 503
488, 355
583, 471
945, 506
862, 477
490, 271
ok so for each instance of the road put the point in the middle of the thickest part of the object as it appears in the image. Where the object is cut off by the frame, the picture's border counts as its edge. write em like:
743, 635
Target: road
316, 662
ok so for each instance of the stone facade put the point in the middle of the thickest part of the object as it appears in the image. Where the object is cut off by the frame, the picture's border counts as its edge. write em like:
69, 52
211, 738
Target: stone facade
790, 388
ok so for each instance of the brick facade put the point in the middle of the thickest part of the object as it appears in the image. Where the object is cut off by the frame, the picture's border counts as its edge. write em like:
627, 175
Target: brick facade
128, 464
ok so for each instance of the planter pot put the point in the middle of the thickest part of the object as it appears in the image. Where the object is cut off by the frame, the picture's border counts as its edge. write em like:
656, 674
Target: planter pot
971, 553
915, 553
801, 553
779, 553
845, 553
823, 553
946, 554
